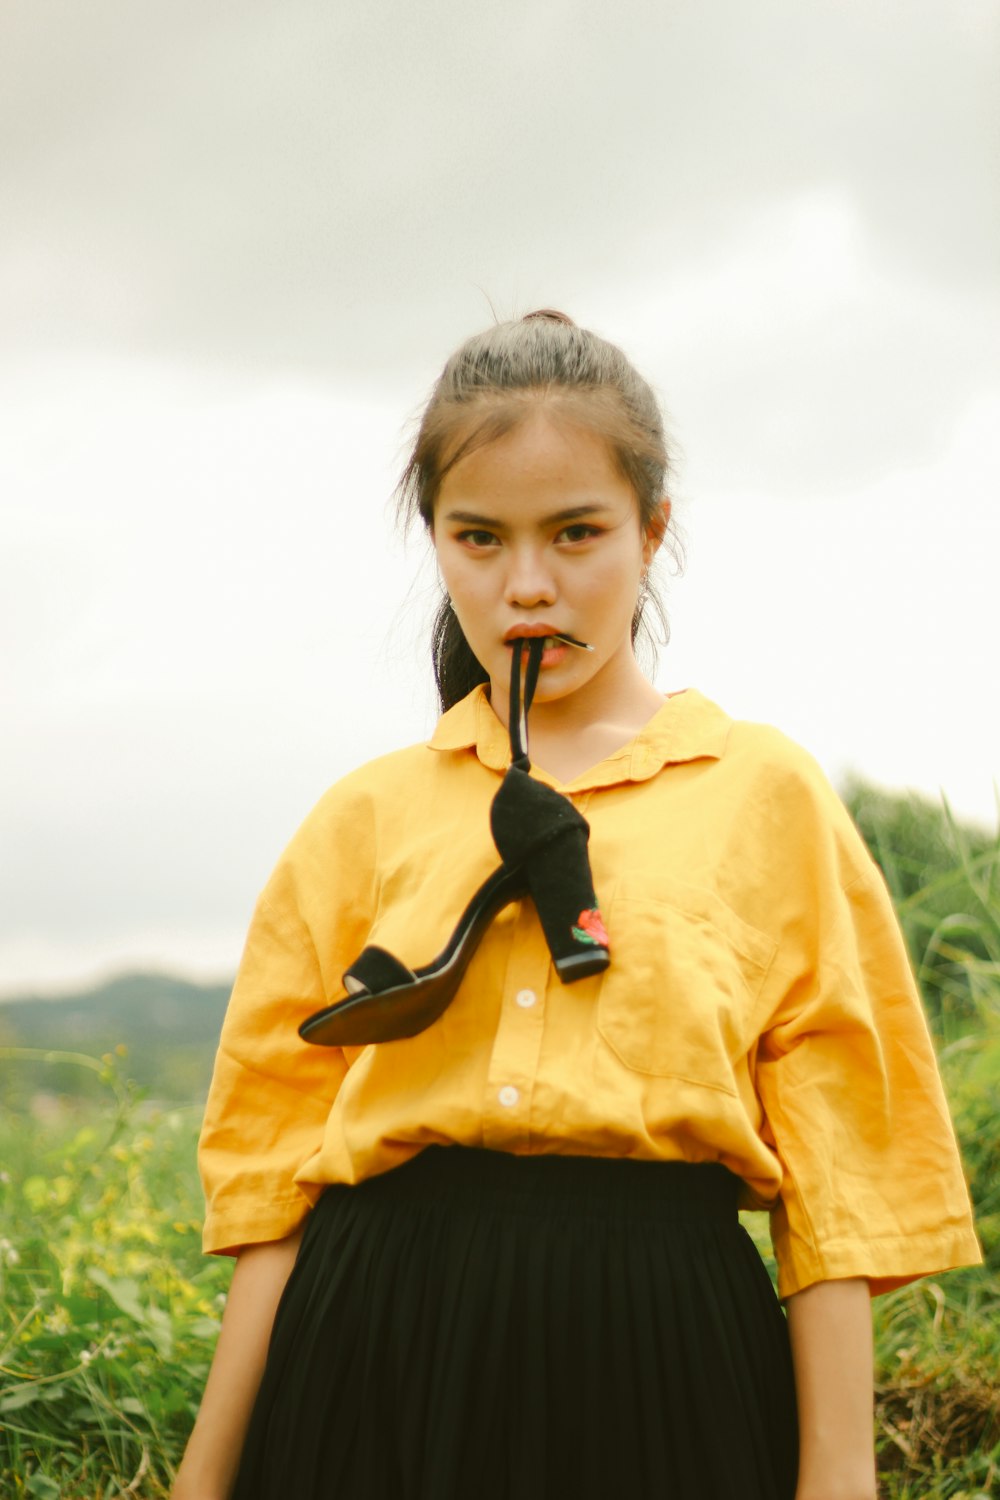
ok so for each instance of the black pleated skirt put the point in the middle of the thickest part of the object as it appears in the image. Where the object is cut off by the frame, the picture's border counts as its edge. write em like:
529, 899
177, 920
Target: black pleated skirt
477, 1324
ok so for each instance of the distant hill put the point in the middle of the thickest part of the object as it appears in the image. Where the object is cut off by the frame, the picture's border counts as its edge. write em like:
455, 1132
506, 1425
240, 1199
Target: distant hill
170, 1027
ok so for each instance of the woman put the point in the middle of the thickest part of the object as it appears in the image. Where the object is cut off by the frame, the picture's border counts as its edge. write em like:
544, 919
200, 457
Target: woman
508, 1189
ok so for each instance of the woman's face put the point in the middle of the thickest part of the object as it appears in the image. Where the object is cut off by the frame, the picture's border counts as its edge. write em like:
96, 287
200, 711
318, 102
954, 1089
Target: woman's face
538, 533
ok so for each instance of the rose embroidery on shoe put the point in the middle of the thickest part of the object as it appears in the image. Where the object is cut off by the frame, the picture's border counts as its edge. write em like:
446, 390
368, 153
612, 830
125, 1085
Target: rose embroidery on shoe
590, 929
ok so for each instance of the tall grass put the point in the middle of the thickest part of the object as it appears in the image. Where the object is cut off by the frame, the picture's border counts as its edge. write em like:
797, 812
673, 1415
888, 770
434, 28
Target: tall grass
109, 1312
938, 1340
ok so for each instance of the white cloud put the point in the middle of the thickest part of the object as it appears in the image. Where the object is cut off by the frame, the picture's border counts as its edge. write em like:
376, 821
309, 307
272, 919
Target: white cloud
199, 588
240, 244
795, 359
863, 624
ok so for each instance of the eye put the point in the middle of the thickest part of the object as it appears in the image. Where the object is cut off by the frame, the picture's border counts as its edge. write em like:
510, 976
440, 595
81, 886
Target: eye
578, 532
477, 539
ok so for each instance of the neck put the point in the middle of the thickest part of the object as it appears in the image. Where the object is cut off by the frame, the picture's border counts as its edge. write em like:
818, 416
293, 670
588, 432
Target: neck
618, 697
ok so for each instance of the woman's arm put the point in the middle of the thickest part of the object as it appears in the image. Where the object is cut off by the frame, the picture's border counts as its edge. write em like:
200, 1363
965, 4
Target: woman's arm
208, 1469
830, 1327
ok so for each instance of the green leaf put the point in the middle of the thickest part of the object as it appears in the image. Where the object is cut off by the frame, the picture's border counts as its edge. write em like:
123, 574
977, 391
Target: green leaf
36, 1191
14, 1400
161, 1331
42, 1487
27, 1394
204, 1328
123, 1292
85, 1411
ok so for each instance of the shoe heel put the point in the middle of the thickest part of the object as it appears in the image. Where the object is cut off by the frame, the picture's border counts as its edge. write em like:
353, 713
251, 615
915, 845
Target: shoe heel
539, 831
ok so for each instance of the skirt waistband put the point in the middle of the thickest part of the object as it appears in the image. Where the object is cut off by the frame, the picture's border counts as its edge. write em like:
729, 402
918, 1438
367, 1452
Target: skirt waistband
575, 1185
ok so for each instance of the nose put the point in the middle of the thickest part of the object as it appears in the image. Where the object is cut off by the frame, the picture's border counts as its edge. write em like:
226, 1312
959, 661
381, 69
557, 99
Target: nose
529, 582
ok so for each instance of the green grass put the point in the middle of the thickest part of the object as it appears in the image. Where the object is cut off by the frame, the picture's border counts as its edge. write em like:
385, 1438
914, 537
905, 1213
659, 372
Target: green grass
938, 1340
109, 1311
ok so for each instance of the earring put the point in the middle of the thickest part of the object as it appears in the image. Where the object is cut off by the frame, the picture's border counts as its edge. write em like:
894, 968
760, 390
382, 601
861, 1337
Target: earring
643, 596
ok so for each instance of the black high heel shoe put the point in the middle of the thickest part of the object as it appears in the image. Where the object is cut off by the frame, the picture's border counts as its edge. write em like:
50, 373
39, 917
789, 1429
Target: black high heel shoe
542, 840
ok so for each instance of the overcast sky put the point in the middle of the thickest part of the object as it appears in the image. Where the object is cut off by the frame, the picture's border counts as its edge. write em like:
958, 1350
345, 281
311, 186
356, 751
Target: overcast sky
237, 245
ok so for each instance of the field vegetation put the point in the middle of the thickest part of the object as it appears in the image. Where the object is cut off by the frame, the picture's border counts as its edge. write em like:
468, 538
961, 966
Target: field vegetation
109, 1311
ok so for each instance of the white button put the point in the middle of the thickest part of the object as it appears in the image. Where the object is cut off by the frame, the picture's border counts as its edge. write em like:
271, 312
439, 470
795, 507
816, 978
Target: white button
508, 1095
525, 999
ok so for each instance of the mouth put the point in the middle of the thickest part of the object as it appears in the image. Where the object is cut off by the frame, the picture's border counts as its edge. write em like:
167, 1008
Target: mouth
552, 638
530, 632
549, 642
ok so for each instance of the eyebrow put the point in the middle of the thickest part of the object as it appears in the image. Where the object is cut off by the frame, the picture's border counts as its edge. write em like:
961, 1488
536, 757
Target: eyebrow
472, 518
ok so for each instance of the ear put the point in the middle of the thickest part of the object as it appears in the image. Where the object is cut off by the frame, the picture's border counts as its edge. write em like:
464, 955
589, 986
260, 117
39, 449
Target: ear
656, 531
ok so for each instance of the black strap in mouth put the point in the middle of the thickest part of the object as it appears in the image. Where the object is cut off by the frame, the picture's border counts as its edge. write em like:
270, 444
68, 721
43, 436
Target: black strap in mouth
517, 725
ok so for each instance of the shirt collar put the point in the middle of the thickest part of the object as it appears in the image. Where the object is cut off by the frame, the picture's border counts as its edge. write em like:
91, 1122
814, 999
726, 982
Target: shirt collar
688, 726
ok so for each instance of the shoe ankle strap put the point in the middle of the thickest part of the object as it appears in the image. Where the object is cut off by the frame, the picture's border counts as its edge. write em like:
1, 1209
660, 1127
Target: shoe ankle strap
517, 725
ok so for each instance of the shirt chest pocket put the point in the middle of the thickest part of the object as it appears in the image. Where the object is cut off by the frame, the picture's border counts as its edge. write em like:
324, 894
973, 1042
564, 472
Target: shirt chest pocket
679, 997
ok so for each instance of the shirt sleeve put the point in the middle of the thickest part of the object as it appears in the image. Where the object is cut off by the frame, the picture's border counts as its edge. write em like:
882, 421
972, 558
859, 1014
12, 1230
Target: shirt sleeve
848, 1080
271, 1093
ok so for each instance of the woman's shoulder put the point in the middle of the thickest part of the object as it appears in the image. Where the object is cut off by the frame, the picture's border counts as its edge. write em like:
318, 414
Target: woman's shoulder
756, 748
763, 767
785, 787
769, 751
353, 818
388, 779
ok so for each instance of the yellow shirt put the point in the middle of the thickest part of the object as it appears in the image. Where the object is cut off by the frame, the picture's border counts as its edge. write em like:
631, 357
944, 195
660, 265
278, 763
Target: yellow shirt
759, 1009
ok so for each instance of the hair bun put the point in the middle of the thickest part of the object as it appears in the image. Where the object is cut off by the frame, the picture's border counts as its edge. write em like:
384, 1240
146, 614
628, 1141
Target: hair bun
553, 315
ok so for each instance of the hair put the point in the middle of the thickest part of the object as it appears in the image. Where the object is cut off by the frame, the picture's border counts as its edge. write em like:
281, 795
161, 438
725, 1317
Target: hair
487, 388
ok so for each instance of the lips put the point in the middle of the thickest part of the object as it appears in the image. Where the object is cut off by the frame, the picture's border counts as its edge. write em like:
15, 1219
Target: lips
529, 632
